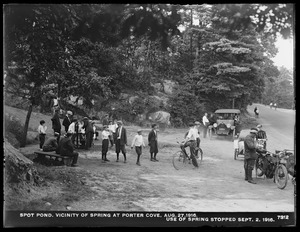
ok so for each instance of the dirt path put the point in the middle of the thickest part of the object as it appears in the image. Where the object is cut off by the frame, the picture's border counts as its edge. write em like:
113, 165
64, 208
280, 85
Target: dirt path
217, 186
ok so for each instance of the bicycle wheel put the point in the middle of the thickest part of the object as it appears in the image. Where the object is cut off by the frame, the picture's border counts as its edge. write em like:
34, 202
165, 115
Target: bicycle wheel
200, 155
281, 176
179, 160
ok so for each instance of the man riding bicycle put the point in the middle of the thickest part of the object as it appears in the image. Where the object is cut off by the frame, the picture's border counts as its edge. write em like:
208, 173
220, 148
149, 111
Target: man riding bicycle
190, 141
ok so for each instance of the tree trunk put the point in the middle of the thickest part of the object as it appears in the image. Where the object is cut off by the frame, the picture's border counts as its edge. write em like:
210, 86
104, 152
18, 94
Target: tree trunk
18, 168
24, 137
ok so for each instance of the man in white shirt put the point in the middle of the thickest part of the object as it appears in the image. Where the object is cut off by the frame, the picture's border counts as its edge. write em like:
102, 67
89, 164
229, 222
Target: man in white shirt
138, 142
205, 122
190, 141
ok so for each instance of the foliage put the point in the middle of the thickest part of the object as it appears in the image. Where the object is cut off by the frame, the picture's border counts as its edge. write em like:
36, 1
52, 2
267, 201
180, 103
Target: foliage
267, 18
184, 106
100, 51
280, 90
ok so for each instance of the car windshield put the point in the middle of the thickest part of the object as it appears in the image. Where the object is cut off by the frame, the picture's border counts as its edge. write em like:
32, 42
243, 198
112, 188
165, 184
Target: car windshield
225, 116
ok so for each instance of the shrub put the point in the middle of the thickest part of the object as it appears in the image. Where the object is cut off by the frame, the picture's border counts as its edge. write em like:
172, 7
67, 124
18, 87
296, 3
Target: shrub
13, 128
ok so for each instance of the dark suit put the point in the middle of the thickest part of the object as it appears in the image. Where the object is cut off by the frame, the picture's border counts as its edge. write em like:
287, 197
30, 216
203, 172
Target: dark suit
89, 132
121, 142
66, 148
152, 140
56, 125
66, 123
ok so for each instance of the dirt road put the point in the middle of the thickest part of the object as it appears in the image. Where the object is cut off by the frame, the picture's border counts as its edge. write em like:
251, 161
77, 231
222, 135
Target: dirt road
217, 186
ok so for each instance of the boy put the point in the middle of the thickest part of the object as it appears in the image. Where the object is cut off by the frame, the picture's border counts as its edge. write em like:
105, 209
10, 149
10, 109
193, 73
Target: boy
42, 133
105, 142
138, 142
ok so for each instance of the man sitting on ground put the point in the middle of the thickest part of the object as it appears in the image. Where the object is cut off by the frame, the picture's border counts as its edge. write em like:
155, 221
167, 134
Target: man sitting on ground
51, 143
66, 148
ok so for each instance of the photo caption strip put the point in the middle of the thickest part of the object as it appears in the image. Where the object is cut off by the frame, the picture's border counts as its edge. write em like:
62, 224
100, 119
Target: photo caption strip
192, 219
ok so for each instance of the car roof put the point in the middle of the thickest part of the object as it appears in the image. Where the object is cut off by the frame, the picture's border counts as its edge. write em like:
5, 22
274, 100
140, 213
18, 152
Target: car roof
234, 111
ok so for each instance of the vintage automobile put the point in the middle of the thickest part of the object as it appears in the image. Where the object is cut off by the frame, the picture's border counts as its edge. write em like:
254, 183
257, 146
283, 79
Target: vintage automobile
226, 122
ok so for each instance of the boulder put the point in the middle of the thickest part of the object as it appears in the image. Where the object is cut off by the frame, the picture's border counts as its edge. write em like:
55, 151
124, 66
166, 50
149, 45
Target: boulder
168, 86
131, 99
158, 87
161, 117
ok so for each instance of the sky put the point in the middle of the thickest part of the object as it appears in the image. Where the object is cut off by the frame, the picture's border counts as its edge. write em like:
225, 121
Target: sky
285, 55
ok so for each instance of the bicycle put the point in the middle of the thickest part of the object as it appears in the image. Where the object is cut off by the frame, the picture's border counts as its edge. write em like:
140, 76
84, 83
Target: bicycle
182, 159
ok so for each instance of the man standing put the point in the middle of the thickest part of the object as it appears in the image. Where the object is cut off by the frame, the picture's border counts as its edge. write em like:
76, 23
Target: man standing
67, 120
121, 140
250, 146
66, 148
56, 126
205, 122
89, 132
152, 142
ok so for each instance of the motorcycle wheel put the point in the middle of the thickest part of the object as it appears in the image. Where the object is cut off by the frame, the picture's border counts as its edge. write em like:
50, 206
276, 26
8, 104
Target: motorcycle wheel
281, 176
259, 168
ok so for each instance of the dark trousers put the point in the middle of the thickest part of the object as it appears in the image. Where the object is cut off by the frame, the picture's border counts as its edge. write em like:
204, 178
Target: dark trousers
197, 145
105, 143
42, 140
89, 140
138, 151
74, 155
248, 166
192, 144
120, 148
49, 148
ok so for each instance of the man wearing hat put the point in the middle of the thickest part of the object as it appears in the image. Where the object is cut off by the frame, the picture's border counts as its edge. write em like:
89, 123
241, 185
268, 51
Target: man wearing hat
67, 120
121, 140
250, 155
152, 141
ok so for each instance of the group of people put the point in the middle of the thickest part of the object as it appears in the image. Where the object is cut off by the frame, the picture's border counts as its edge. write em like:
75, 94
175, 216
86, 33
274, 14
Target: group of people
250, 146
74, 132
273, 105
117, 135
